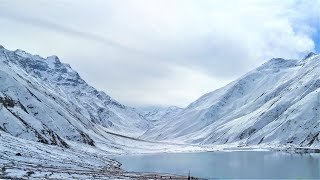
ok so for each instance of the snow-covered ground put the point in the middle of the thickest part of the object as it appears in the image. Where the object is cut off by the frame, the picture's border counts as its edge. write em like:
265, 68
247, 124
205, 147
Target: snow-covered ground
53, 124
25, 159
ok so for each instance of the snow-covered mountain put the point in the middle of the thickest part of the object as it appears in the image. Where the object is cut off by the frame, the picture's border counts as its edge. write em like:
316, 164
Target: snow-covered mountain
277, 103
46, 101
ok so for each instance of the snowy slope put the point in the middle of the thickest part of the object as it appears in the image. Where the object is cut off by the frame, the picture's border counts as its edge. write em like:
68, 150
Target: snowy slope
46, 101
277, 103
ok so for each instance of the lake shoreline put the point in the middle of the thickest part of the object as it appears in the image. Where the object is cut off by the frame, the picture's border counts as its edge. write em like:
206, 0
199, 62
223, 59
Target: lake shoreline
291, 149
232, 163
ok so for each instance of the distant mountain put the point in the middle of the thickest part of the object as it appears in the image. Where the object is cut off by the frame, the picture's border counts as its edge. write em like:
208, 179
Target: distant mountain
44, 100
275, 104
157, 113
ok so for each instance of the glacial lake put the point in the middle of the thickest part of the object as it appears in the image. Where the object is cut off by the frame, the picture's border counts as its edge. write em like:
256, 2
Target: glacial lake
235, 164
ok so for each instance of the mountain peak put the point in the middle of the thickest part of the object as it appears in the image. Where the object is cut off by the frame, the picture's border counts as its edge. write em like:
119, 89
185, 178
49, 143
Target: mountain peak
22, 53
310, 54
278, 63
54, 59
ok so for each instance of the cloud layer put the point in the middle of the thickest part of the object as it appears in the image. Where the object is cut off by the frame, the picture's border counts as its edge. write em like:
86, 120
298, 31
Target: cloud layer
166, 52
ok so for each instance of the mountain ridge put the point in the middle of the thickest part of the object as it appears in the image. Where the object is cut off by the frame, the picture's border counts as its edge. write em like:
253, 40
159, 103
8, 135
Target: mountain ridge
48, 102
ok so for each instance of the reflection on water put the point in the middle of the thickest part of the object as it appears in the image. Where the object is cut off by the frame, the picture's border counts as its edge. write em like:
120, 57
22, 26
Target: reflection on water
237, 164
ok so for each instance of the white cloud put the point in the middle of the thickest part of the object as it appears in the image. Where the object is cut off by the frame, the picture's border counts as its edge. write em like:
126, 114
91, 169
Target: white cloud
161, 51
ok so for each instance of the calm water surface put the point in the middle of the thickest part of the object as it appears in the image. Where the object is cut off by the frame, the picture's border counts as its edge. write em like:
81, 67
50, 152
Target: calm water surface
236, 164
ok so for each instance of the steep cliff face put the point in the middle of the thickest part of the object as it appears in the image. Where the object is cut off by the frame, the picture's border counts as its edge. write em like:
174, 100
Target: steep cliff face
277, 103
45, 100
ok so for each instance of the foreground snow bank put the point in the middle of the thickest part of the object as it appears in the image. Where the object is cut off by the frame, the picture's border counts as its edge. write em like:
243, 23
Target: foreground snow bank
22, 159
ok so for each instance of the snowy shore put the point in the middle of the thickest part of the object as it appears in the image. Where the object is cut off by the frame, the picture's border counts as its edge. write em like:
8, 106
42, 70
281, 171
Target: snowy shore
23, 159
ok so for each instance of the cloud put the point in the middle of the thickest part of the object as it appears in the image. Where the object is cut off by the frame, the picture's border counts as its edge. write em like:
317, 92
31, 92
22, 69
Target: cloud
34, 21
162, 51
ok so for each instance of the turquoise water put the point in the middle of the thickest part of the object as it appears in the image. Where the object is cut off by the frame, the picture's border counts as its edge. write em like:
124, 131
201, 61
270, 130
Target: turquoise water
236, 164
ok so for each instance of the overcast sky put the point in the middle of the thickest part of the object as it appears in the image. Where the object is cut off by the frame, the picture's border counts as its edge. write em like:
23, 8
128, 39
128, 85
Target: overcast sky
161, 52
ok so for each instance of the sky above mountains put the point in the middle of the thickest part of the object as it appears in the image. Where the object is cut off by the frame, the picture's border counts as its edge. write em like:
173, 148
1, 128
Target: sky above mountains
161, 52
